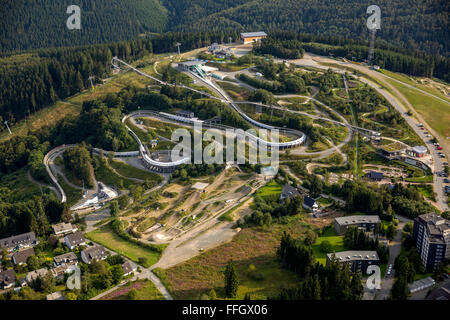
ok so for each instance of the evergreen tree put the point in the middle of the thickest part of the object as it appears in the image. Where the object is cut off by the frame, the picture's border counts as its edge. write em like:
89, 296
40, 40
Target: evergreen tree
231, 280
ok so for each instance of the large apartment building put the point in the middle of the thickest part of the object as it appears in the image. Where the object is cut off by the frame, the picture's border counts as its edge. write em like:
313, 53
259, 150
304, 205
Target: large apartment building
432, 235
357, 260
368, 223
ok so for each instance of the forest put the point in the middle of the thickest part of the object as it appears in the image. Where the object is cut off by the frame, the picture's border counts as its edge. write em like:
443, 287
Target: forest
31, 81
31, 24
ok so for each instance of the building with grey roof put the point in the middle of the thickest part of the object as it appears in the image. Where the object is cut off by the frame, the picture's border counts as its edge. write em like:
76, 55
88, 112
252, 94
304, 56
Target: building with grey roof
289, 191
250, 37
421, 284
431, 233
20, 257
341, 224
7, 279
66, 258
19, 241
95, 253
358, 260
441, 294
128, 268
74, 240
63, 228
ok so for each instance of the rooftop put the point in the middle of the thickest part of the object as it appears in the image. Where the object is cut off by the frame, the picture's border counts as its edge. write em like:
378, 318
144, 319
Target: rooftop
289, 192
13, 241
22, 255
348, 220
62, 227
354, 255
253, 34
76, 238
191, 62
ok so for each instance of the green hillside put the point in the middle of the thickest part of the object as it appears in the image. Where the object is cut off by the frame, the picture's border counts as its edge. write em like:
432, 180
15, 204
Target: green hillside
28, 24
413, 24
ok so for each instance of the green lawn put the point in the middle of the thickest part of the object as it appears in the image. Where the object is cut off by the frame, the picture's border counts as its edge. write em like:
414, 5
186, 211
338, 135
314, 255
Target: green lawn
146, 290
106, 237
270, 188
133, 172
435, 112
337, 243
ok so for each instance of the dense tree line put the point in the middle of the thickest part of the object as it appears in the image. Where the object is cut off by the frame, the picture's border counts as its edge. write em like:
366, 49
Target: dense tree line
387, 56
35, 80
267, 208
31, 24
78, 162
284, 49
419, 25
330, 282
406, 201
355, 239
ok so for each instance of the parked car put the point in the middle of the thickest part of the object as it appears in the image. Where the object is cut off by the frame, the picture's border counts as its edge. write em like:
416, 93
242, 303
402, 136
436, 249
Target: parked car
446, 180
439, 148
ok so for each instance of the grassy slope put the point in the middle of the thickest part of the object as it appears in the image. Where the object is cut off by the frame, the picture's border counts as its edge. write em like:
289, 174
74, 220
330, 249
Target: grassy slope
106, 237
251, 246
132, 172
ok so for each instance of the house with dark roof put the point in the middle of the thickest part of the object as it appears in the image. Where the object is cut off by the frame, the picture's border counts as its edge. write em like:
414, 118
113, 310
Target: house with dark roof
128, 268
66, 259
74, 240
95, 253
310, 204
441, 294
20, 257
289, 192
20, 241
376, 176
7, 279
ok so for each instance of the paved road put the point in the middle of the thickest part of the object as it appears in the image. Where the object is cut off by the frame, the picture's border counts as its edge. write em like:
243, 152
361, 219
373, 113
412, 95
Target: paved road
395, 247
314, 61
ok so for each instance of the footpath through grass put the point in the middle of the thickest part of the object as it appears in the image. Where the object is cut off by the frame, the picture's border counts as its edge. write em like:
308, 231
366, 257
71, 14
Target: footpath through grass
108, 238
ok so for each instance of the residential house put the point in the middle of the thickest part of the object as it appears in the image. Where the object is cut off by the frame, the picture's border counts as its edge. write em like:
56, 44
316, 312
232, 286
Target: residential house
55, 296
95, 253
20, 257
128, 268
33, 275
376, 176
289, 191
66, 259
20, 241
7, 279
64, 228
74, 240
310, 204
